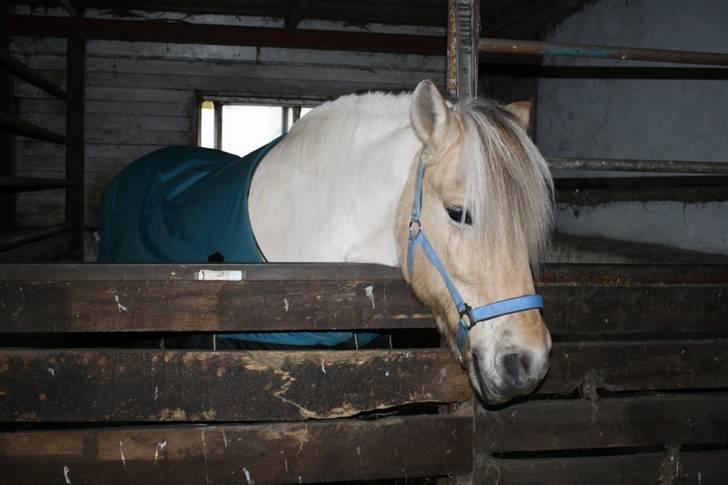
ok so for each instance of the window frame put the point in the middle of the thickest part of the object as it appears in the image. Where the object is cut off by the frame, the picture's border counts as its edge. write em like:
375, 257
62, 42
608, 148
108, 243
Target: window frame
294, 104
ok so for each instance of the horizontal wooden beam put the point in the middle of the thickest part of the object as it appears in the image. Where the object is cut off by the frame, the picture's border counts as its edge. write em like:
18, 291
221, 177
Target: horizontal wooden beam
570, 424
30, 184
153, 385
47, 249
582, 301
642, 365
314, 452
20, 127
26, 74
25, 236
183, 32
149, 385
119, 306
670, 466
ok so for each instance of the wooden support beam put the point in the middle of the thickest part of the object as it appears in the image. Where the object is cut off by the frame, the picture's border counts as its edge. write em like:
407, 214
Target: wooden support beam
23, 72
160, 31
44, 250
314, 452
8, 210
20, 127
29, 184
25, 236
75, 152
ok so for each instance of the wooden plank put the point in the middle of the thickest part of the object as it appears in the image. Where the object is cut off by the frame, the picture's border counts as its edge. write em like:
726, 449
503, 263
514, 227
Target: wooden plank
670, 466
29, 184
161, 31
590, 302
593, 312
110, 121
23, 72
153, 385
131, 306
190, 272
25, 236
637, 366
654, 420
48, 249
338, 451
20, 127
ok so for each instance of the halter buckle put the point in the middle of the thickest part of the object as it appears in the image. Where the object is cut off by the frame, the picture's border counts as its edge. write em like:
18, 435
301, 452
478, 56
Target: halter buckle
467, 312
414, 228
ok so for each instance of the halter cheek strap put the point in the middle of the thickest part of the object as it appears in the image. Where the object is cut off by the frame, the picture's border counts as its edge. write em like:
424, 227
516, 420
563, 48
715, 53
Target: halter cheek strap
469, 317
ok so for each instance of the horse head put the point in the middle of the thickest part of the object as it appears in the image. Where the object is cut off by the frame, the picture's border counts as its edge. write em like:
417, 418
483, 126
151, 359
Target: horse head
485, 197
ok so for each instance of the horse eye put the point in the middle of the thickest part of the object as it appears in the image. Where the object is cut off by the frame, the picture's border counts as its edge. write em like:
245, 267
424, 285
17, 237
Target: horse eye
456, 214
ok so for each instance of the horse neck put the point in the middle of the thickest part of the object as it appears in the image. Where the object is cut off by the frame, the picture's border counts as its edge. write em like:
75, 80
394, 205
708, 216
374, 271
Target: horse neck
330, 190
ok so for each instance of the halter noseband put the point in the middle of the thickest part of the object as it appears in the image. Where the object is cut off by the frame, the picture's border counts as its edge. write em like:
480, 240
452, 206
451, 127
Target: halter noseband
469, 317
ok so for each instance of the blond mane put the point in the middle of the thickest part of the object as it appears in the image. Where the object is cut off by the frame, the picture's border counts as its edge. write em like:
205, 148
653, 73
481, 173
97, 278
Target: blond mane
508, 187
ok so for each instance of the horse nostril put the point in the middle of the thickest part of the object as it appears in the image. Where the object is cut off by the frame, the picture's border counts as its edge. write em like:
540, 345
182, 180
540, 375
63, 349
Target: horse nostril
517, 367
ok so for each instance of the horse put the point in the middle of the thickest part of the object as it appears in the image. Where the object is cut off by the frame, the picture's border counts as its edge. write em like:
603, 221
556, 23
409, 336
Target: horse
456, 195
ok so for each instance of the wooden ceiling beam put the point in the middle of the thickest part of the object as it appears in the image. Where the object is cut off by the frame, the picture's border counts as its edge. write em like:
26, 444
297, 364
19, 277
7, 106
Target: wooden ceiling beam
177, 32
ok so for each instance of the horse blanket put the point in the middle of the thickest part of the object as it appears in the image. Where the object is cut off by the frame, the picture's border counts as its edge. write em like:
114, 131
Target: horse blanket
190, 205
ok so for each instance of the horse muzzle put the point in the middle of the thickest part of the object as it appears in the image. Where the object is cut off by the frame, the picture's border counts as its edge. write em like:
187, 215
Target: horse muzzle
502, 373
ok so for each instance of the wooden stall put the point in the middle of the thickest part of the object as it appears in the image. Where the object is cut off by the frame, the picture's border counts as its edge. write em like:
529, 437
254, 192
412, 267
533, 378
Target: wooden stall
635, 393
637, 388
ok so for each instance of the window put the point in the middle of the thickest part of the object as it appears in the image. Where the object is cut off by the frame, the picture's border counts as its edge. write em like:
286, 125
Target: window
240, 128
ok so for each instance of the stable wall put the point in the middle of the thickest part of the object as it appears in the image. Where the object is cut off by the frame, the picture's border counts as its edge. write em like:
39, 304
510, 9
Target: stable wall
143, 96
641, 118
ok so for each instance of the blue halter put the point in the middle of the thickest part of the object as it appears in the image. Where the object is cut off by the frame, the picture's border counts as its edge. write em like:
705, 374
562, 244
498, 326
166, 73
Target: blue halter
469, 317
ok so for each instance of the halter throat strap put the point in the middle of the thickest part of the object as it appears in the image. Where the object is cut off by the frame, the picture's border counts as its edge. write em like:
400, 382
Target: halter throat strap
469, 317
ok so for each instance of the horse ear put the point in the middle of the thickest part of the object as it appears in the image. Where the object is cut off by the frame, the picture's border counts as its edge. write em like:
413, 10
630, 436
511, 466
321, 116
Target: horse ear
522, 112
429, 112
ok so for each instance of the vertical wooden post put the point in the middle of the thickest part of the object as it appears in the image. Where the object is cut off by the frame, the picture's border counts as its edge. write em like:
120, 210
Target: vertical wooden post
75, 152
7, 140
463, 34
463, 37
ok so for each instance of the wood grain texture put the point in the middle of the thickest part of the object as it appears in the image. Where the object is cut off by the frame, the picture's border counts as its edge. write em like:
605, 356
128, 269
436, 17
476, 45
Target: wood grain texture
652, 420
272, 453
582, 303
142, 386
670, 466
207, 306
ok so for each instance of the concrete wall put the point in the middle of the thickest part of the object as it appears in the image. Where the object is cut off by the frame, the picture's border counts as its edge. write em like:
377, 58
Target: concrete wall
641, 118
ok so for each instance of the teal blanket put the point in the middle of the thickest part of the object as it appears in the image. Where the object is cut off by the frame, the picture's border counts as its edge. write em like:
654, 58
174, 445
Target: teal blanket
190, 205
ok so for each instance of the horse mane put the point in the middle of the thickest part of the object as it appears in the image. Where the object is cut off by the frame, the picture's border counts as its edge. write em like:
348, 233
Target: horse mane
509, 189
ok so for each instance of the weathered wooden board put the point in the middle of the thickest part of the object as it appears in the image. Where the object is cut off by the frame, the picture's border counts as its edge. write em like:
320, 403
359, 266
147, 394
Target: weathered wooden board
272, 453
636, 301
136, 386
562, 424
58, 306
637, 366
671, 466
